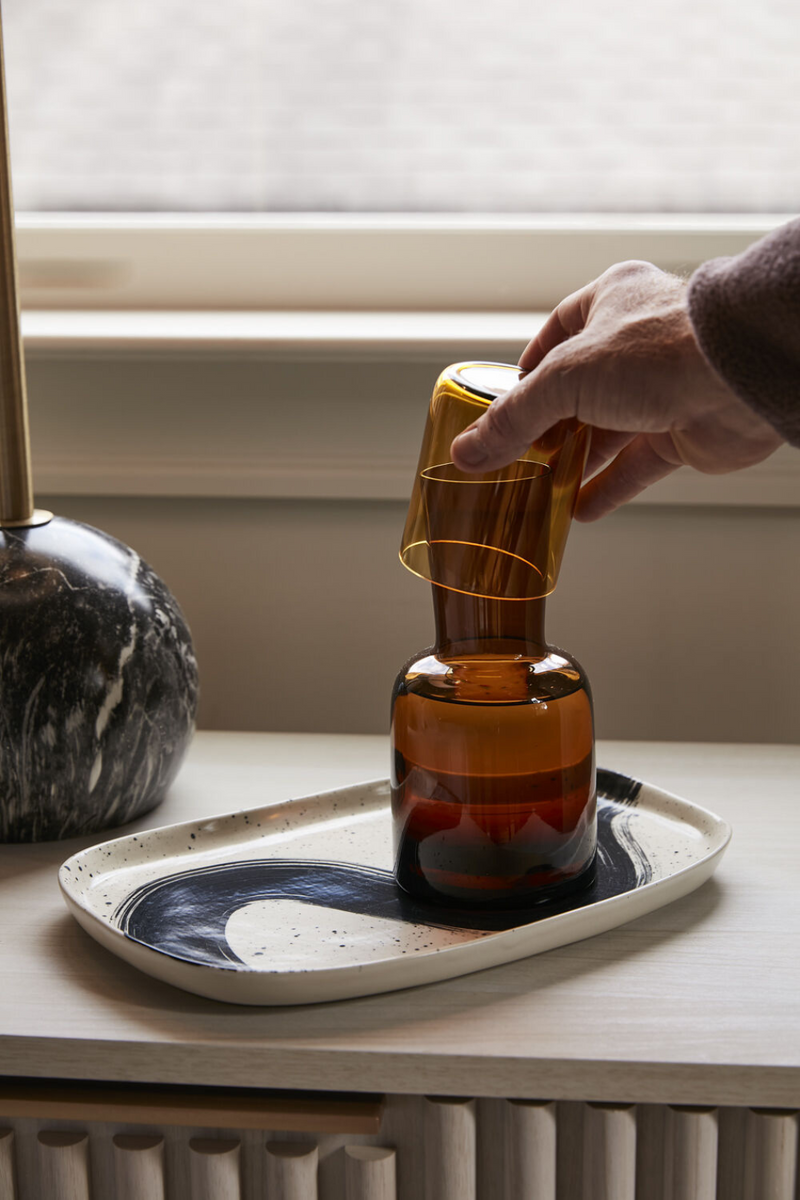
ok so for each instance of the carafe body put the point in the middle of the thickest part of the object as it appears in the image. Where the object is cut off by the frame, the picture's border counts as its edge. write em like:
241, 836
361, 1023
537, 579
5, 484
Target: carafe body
493, 773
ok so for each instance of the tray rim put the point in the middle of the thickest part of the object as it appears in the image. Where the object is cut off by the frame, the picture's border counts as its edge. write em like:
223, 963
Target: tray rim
650, 896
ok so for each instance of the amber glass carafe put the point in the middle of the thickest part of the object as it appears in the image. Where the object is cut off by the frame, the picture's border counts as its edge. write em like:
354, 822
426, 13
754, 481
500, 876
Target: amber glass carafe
493, 791
493, 784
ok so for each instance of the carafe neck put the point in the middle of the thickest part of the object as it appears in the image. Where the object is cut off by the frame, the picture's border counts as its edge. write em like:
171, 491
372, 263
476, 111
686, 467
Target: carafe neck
474, 625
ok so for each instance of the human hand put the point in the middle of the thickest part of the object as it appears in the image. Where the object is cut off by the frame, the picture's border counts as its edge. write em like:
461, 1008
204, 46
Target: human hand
621, 356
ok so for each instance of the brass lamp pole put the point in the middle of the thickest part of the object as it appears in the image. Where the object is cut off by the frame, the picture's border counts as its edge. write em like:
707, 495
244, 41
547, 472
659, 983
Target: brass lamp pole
16, 488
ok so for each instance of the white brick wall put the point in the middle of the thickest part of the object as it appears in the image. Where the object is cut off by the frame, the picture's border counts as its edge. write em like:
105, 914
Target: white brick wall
412, 105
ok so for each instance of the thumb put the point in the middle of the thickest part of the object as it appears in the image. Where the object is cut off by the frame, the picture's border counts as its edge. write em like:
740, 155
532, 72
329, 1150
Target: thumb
521, 415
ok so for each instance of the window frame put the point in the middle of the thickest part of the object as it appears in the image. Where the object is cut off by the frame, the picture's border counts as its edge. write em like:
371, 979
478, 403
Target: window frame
348, 263
392, 289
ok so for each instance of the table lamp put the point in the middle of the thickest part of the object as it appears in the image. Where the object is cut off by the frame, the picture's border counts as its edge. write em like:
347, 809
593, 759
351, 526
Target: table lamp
98, 678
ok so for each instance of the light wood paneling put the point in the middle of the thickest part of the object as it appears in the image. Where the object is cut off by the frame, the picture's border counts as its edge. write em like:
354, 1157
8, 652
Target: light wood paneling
525, 1151
215, 1168
403, 1127
370, 1173
139, 1167
530, 1146
491, 1147
650, 1120
609, 1152
770, 1155
8, 1190
292, 1171
64, 1165
450, 1149
690, 1160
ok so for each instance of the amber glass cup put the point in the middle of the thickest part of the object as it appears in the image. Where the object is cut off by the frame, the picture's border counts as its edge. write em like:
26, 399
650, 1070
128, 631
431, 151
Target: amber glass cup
493, 787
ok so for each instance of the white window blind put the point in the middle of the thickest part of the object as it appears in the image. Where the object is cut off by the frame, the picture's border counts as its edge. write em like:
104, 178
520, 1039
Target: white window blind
404, 105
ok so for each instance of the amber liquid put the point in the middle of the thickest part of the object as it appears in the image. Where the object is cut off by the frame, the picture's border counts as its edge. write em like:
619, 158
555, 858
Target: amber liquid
493, 792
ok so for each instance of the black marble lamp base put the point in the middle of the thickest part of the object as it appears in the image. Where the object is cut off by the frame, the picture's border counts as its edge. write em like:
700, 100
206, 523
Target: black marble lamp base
98, 683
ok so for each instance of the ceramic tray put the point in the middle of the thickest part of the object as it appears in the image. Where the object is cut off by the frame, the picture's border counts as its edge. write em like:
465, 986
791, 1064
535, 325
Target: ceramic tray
295, 903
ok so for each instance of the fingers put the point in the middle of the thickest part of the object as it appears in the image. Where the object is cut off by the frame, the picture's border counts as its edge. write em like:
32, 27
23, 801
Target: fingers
540, 399
605, 444
513, 421
643, 462
564, 322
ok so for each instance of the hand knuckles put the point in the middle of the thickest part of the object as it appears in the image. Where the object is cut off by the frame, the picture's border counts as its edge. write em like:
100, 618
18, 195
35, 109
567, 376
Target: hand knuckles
630, 267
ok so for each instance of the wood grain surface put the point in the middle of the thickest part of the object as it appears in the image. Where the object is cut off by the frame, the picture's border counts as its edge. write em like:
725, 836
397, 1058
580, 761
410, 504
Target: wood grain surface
215, 1168
139, 1167
8, 1189
370, 1173
693, 1004
64, 1165
292, 1170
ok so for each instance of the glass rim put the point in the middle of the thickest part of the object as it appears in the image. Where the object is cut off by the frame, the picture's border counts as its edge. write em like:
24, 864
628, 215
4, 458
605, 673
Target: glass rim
406, 552
485, 393
535, 470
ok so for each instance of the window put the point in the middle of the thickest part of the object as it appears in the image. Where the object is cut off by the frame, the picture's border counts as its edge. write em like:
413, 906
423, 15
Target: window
413, 106
407, 180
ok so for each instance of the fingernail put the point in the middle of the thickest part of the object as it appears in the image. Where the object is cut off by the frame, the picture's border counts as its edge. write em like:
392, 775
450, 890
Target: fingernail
471, 449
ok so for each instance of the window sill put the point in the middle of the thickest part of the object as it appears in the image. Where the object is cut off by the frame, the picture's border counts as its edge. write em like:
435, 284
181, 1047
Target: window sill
338, 262
327, 335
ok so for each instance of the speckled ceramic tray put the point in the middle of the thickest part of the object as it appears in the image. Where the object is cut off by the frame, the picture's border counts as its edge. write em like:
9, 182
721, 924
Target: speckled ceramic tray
295, 903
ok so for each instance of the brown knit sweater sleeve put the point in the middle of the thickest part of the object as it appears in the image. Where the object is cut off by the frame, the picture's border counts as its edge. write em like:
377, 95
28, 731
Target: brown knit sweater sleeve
746, 315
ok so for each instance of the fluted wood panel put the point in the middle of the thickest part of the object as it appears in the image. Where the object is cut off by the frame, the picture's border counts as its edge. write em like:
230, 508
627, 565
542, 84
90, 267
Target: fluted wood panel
292, 1171
490, 1137
402, 1128
770, 1155
730, 1153
215, 1168
609, 1152
370, 1173
8, 1189
64, 1165
650, 1120
428, 1149
139, 1167
569, 1150
530, 1149
690, 1154
450, 1149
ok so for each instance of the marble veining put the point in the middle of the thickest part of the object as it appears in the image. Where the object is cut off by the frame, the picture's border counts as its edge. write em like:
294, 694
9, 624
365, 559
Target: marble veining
98, 683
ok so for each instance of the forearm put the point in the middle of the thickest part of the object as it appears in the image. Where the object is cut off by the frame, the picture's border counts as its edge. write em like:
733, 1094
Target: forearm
746, 316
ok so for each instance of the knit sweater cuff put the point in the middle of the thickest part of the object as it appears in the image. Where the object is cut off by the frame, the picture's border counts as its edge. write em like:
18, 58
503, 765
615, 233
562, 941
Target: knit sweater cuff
746, 317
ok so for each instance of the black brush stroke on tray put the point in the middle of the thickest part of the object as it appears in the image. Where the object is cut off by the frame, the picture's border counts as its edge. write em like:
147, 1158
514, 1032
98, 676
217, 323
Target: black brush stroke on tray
185, 915
614, 786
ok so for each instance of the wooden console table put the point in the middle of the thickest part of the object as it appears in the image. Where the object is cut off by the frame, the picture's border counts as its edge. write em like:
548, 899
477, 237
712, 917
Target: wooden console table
660, 1061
